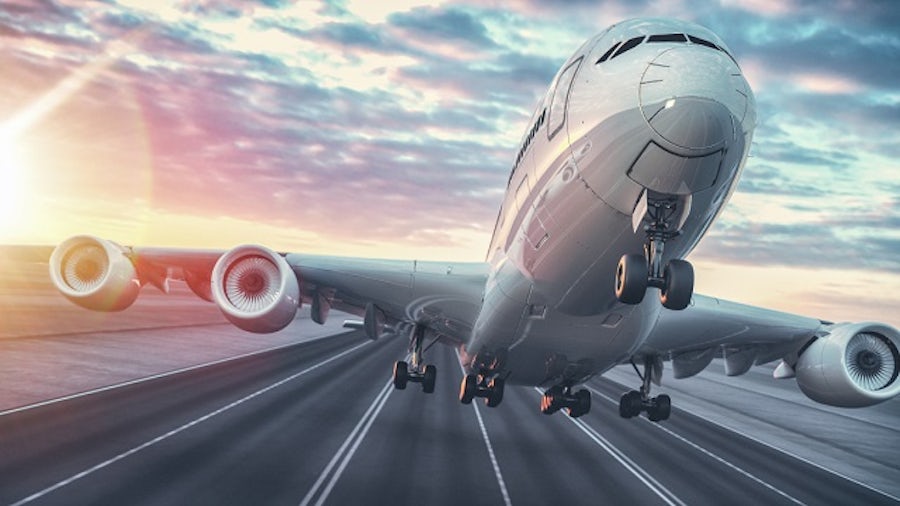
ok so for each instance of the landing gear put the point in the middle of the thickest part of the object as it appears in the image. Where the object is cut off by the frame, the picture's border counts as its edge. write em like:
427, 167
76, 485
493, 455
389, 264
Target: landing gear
477, 385
415, 372
635, 402
486, 380
635, 273
560, 397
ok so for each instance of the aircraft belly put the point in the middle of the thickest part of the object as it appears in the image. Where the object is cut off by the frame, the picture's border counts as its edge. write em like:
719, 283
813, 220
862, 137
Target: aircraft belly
594, 343
515, 318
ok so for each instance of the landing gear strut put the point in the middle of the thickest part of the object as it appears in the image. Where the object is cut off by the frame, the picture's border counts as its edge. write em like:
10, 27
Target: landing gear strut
635, 402
561, 397
415, 372
636, 272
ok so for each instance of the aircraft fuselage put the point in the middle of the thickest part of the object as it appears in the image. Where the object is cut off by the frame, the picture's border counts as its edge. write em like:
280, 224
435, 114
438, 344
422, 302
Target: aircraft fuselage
647, 109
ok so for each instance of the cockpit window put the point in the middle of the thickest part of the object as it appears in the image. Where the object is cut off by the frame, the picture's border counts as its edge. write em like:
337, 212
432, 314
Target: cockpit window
629, 44
608, 53
703, 42
667, 37
620, 47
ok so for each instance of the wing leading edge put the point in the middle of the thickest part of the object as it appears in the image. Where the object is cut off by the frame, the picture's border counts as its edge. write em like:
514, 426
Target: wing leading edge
101, 275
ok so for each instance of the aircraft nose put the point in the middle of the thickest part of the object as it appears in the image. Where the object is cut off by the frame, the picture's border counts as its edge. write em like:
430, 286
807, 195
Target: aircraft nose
695, 97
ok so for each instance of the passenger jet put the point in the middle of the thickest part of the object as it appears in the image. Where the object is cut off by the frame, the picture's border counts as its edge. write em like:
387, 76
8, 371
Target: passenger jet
626, 162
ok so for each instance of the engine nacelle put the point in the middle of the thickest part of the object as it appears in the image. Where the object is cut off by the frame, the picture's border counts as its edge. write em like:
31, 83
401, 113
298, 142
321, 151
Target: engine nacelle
256, 289
855, 365
94, 273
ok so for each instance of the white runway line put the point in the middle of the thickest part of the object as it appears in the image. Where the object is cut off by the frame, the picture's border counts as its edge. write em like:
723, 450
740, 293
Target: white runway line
355, 438
113, 460
640, 473
707, 452
494, 463
798, 457
490, 448
160, 375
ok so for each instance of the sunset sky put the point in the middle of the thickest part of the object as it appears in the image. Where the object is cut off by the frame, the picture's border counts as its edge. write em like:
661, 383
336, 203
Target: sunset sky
387, 129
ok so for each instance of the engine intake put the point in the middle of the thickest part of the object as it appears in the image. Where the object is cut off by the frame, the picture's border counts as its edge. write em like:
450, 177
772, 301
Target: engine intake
855, 365
256, 289
94, 273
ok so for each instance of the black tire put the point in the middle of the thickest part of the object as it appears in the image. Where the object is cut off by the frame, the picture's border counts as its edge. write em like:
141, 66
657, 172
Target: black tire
495, 397
663, 405
630, 404
468, 388
550, 401
631, 279
401, 374
429, 378
679, 288
582, 404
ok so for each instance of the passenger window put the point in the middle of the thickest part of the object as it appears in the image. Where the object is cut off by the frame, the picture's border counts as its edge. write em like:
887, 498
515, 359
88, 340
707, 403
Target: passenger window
559, 103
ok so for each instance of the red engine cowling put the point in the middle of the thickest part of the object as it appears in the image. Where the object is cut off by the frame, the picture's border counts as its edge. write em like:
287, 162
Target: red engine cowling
94, 273
855, 365
256, 289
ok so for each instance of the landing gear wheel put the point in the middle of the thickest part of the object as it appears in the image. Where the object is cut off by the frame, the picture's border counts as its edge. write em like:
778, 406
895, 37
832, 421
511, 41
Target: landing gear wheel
582, 404
468, 388
679, 285
630, 404
550, 402
401, 374
428, 379
661, 408
496, 392
631, 279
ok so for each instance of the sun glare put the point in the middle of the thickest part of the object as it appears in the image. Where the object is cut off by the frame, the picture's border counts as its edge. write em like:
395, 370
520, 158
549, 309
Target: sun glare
11, 186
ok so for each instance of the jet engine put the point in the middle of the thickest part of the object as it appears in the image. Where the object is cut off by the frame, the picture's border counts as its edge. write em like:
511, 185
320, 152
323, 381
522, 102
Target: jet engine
855, 365
256, 289
94, 273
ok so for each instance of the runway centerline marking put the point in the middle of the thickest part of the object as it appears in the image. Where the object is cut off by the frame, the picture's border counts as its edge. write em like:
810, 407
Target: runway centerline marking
136, 449
707, 453
353, 441
639, 472
490, 448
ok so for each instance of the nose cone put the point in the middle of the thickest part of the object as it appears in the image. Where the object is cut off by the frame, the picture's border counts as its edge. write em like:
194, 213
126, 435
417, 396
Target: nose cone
695, 98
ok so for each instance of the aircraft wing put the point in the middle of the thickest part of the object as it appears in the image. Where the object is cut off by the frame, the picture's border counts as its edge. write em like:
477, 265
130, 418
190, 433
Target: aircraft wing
259, 289
744, 335
841, 364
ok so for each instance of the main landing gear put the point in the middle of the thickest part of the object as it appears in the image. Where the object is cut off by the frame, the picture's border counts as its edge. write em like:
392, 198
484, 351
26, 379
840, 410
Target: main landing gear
636, 272
403, 373
477, 385
560, 397
488, 383
635, 402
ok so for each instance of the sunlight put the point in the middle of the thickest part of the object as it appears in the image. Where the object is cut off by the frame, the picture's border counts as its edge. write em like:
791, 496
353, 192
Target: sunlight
12, 185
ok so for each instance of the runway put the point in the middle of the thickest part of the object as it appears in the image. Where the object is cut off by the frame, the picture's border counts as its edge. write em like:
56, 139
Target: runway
318, 423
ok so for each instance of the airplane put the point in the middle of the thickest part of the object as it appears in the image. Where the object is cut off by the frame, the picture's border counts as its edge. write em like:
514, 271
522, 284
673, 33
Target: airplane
627, 160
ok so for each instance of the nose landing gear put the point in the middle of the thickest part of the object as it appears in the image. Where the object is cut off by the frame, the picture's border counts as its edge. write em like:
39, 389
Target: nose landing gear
635, 273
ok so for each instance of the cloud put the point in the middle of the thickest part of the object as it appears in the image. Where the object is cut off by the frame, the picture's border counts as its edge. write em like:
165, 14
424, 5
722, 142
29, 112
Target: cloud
370, 126
445, 24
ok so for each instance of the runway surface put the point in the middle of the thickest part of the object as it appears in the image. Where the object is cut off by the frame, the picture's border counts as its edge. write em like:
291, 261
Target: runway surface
318, 423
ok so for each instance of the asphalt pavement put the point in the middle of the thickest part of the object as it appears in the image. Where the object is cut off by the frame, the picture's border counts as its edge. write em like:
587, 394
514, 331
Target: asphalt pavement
319, 423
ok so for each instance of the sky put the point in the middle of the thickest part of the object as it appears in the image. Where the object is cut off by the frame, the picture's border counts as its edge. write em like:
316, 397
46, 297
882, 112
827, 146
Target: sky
387, 129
